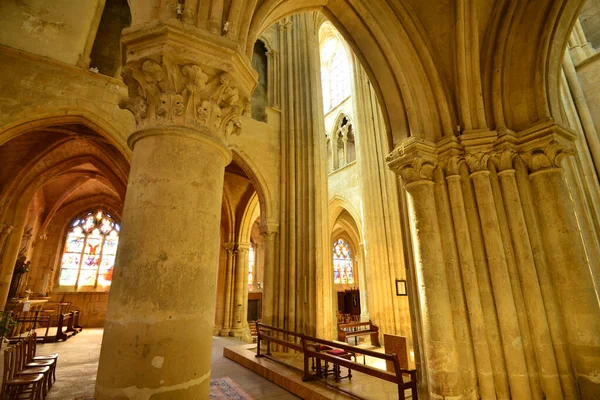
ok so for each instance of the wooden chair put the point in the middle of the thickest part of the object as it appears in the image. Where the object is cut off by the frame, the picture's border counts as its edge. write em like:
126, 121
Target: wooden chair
19, 387
33, 357
22, 368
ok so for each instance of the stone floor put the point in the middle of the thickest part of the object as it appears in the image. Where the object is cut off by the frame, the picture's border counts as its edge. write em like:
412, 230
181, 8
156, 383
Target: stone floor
286, 370
78, 363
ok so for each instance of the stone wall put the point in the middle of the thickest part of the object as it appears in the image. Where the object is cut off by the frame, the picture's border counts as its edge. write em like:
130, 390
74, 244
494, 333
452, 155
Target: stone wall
92, 306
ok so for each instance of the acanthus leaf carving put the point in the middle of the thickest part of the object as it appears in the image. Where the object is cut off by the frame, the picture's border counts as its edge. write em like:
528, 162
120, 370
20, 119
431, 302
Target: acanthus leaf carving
163, 92
547, 157
452, 165
417, 169
478, 161
504, 159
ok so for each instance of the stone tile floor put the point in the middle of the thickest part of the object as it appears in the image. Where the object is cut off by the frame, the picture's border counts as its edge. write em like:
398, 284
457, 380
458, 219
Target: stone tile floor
78, 363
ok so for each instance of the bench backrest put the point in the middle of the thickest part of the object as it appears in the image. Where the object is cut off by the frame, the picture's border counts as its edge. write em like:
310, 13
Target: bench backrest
355, 326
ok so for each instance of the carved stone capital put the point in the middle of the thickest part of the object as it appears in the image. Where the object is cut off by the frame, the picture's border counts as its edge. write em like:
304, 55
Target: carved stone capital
547, 157
451, 165
165, 92
413, 160
417, 169
243, 248
5, 229
504, 159
478, 161
269, 230
179, 78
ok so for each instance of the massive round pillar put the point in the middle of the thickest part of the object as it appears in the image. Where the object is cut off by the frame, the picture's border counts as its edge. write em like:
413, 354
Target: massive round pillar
158, 330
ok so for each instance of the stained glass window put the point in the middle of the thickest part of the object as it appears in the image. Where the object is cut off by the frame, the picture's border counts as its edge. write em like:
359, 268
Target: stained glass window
251, 262
342, 263
89, 255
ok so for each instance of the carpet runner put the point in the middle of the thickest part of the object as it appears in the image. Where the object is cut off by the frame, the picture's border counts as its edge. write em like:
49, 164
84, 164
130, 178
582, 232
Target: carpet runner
220, 389
226, 389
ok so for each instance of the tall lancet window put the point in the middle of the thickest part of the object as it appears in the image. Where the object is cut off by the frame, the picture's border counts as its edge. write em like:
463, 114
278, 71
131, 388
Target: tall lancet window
342, 263
335, 67
89, 252
251, 266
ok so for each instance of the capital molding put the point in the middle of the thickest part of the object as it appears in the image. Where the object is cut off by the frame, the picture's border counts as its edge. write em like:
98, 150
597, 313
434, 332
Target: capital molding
503, 159
269, 229
478, 162
243, 247
413, 160
176, 78
541, 146
547, 157
451, 165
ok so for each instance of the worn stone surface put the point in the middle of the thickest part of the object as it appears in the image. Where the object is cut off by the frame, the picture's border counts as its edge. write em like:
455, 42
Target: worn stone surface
460, 93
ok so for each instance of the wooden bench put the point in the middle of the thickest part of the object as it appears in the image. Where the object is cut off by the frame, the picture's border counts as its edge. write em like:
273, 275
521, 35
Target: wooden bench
356, 329
313, 348
71, 322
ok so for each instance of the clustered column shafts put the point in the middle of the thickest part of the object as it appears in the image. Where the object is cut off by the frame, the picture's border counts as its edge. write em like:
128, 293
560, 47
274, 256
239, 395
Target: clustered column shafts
481, 349
510, 217
384, 260
575, 289
295, 303
229, 290
503, 294
240, 296
438, 326
269, 283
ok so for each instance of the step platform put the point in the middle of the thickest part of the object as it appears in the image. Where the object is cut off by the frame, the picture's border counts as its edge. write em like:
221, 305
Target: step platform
285, 370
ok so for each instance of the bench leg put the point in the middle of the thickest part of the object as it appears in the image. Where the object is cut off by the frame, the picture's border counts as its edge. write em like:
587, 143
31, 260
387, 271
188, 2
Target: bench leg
306, 373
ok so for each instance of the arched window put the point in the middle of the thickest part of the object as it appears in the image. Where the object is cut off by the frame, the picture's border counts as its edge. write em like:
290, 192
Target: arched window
251, 266
335, 67
343, 148
89, 252
342, 263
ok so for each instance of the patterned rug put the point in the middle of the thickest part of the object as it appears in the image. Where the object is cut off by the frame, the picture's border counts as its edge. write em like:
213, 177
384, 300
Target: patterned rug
227, 389
220, 389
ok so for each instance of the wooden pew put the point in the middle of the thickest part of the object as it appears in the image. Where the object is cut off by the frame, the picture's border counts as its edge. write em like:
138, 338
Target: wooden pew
356, 329
71, 322
314, 348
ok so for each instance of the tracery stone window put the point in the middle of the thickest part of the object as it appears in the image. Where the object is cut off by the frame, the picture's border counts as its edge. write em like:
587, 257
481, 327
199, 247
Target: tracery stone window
335, 68
343, 266
341, 149
89, 253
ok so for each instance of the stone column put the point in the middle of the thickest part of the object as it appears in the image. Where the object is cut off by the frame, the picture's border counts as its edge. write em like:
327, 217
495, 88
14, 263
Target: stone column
227, 301
481, 349
158, 330
525, 263
438, 328
8, 258
269, 282
362, 284
501, 285
567, 263
240, 296
7, 263
5, 230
